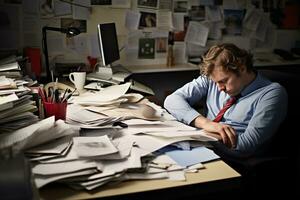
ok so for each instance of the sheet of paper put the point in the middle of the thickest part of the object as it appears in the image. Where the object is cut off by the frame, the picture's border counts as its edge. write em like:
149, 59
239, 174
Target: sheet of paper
23, 134
62, 168
93, 146
197, 33
131, 162
41, 180
167, 126
108, 94
53, 147
196, 155
132, 20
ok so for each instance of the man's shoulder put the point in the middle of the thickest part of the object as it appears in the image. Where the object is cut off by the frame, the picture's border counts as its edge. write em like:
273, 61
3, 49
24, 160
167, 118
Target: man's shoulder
275, 90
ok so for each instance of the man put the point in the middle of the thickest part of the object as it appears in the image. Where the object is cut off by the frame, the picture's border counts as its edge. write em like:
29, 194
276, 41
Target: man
247, 125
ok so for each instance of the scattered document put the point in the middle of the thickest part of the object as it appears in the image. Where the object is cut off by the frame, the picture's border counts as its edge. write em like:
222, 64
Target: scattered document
93, 146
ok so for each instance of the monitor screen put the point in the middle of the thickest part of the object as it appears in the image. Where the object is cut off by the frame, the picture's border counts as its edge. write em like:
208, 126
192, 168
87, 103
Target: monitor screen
108, 43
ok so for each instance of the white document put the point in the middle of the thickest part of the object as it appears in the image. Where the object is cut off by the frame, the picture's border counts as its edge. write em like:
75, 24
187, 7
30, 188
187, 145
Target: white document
164, 20
197, 33
44, 134
93, 146
108, 94
131, 162
196, 134
23, 134
124, 145
62, 168
41, 180
54, 147
167, 126
132, 20
10, 66
80, 114
148, 144
6, 101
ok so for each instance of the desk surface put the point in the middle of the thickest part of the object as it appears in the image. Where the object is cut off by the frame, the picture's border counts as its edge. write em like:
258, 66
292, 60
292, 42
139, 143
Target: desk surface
214, 171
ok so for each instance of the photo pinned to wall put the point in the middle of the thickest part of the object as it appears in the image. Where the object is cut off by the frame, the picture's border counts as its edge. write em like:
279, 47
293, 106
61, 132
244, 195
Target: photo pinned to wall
180, 6
161, 44
197, 13
77, 23
151, 4
147, 20
146, 48
233, 20
46, 8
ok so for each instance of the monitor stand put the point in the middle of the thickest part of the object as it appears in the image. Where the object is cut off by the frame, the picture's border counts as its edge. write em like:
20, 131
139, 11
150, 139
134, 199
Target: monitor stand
109, 74
105, 72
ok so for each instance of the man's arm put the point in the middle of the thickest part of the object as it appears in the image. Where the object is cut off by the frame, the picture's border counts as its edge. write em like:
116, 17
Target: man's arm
222, 132
180, 103
270, 111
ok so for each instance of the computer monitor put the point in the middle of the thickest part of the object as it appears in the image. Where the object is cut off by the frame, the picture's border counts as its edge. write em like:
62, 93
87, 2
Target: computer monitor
108, 43
109, 50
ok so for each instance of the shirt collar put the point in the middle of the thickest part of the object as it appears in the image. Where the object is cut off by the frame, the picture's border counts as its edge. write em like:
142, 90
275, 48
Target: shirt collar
257, 83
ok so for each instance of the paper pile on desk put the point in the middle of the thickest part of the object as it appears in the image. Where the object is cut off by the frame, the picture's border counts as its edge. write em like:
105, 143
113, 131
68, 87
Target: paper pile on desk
33, 135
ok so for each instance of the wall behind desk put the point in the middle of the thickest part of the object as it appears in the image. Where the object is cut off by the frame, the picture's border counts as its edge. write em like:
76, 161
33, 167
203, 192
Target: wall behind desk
78, 48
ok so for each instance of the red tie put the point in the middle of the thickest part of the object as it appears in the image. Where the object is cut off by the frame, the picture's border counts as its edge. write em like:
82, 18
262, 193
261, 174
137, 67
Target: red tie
229, 103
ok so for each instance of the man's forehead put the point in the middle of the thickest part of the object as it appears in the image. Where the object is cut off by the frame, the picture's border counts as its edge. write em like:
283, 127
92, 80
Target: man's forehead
219, 73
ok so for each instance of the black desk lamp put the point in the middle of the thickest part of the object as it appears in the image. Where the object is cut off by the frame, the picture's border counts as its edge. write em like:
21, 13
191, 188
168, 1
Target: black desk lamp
71, 31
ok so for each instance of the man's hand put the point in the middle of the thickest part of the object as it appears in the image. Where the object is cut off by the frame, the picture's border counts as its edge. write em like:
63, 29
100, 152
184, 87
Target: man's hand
222, 132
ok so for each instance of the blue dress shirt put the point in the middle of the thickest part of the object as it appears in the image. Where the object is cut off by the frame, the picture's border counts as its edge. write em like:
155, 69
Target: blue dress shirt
255, 117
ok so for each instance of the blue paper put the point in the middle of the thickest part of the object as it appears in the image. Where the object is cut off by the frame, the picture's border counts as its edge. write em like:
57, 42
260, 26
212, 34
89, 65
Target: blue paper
196, 155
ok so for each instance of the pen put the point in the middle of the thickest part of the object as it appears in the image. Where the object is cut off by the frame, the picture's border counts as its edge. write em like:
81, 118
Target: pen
42, 94
69, 95
56, 95
66, 90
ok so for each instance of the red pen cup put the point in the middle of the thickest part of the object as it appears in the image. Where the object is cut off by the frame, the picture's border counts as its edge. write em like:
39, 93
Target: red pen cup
59, 110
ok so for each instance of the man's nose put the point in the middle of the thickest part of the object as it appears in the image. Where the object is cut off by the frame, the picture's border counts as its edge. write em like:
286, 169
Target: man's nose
221, 87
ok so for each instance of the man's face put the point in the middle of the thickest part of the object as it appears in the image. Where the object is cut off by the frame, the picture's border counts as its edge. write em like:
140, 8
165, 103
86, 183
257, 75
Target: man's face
228, 81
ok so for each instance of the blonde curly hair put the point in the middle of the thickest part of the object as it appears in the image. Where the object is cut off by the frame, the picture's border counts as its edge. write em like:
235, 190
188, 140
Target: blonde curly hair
227, 55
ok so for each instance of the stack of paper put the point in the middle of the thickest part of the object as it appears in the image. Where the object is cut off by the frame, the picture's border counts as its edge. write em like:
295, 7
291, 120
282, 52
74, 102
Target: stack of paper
16, 112
9, 67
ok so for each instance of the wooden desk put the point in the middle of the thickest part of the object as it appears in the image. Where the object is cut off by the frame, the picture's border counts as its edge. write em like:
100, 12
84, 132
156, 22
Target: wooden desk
216, 177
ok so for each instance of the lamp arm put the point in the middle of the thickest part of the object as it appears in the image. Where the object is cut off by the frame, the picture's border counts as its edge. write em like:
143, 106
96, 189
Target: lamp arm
45, 50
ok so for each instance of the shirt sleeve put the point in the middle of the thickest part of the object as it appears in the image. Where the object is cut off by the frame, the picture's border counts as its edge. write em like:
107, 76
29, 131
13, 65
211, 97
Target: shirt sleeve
180, 103
270, 110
